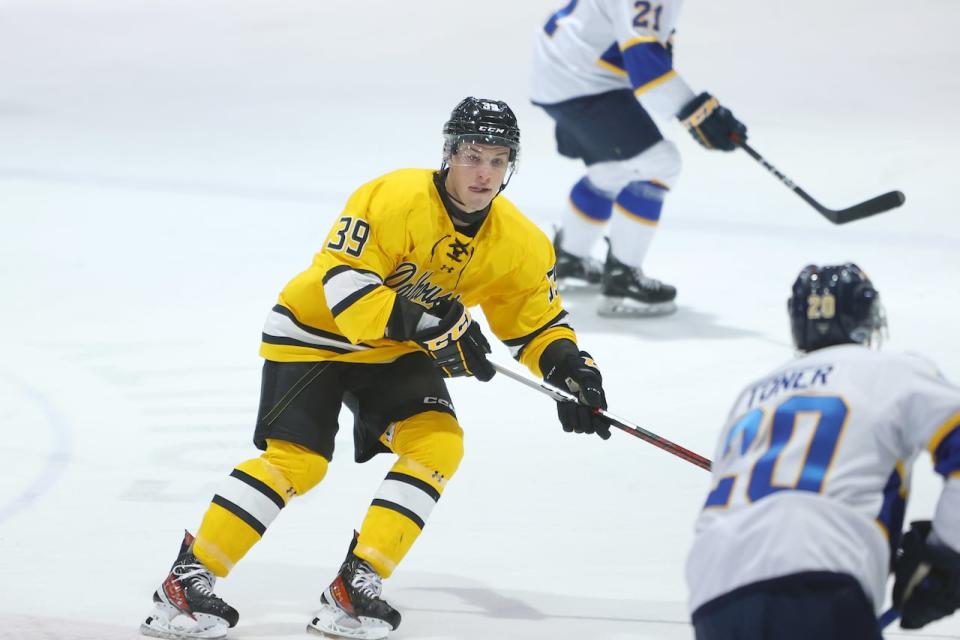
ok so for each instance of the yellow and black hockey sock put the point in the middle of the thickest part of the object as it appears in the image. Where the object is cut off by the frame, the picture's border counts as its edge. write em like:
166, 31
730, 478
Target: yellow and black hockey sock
430, 446
251, 498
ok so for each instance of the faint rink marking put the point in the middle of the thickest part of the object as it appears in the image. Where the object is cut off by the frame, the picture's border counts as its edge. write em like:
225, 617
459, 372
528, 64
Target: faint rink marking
26, 627
185, 187
123, 375
172, 403
186, 467
870, 236
128, 364
164, 429
57, 459
202, 410
159, 394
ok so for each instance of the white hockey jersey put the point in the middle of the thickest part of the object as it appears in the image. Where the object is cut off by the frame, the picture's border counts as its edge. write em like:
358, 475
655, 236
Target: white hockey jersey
594, 46
812, 471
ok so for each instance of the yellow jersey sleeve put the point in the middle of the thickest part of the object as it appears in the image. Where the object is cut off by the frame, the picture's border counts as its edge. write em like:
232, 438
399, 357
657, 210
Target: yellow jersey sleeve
360, 251
526, 312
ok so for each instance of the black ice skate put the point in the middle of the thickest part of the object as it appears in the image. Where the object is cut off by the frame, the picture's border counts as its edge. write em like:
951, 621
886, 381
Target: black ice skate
351, 606
627, 292
574, 272
185, 606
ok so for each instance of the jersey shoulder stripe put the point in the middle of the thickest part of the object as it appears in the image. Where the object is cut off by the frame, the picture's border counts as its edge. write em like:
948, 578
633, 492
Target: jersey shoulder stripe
612, 60
944, 447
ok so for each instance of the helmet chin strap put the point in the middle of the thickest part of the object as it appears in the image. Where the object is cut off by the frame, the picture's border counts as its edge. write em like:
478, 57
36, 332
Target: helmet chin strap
513, 167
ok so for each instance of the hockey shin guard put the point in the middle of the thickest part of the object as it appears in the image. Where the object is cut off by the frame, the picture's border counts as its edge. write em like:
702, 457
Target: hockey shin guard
639, 206
430, 446
250, 499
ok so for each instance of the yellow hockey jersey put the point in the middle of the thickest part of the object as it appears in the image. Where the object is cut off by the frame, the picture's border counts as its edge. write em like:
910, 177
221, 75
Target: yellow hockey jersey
395, 238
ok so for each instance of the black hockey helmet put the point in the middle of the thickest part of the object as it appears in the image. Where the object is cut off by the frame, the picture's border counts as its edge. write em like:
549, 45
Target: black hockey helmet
834, 305
483, 121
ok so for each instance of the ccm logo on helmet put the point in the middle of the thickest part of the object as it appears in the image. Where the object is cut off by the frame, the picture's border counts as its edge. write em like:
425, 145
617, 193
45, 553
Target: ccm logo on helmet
492, 129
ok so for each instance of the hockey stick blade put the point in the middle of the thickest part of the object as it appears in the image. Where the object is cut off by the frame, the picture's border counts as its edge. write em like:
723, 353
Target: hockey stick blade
624, 425
872, 207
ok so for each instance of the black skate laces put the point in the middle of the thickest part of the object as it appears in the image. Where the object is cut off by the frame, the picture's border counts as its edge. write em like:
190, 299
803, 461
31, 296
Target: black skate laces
592, 265
649, 283
644, 281
367, 581
198, 575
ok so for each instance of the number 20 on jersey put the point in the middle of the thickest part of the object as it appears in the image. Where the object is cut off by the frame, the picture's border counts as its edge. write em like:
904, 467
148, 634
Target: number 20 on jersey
817, 451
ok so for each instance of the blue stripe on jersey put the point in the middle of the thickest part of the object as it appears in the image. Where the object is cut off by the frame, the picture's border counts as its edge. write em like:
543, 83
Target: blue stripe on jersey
587, 200
642, 200
612, 60
894, 507
647, 62
946, 457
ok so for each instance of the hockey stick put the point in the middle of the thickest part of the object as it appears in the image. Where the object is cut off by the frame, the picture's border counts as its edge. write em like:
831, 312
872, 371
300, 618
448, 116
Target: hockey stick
871, 207
888, 617
624, 425
892, 614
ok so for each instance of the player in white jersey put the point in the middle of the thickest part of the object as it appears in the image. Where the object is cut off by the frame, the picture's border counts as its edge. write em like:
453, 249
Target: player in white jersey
810, 480
593, 61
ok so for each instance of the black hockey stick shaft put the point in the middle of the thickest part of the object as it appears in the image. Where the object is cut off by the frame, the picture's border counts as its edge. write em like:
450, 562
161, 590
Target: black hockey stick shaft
871, 207
624, 425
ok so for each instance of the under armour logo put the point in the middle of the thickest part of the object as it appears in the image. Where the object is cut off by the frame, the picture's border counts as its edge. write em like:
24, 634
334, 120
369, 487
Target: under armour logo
457, 249
446, 269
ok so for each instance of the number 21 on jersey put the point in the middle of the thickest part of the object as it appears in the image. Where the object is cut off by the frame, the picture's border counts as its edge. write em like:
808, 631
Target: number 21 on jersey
647, 16
780, 435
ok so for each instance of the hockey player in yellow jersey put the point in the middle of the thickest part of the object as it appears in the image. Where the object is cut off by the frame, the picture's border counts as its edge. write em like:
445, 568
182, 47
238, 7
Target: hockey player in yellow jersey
377, 322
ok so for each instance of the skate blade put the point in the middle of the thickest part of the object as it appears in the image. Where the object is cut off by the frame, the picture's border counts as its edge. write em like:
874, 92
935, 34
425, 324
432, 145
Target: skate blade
169, 623
628, 308
333, 623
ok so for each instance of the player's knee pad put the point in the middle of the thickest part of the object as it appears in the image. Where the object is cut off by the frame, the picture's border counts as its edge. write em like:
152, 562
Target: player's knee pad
430, 446
661, 164
300, 468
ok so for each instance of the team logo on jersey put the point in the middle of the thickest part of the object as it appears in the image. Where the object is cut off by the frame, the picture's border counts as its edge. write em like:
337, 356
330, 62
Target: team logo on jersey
457, 250
405, 281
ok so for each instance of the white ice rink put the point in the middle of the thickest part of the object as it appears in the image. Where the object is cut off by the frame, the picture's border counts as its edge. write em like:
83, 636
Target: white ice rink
165, 167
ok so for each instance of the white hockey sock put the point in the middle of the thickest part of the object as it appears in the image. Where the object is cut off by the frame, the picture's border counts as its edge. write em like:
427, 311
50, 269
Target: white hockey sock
635, 219
630, 239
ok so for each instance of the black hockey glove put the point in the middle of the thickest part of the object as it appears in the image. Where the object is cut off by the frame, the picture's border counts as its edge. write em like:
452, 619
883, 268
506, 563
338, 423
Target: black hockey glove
927, 585
574, 371
455, 342
711, 125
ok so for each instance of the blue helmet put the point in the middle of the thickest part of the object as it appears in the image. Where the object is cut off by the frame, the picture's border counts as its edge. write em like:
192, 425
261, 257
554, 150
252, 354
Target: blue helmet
834, 305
